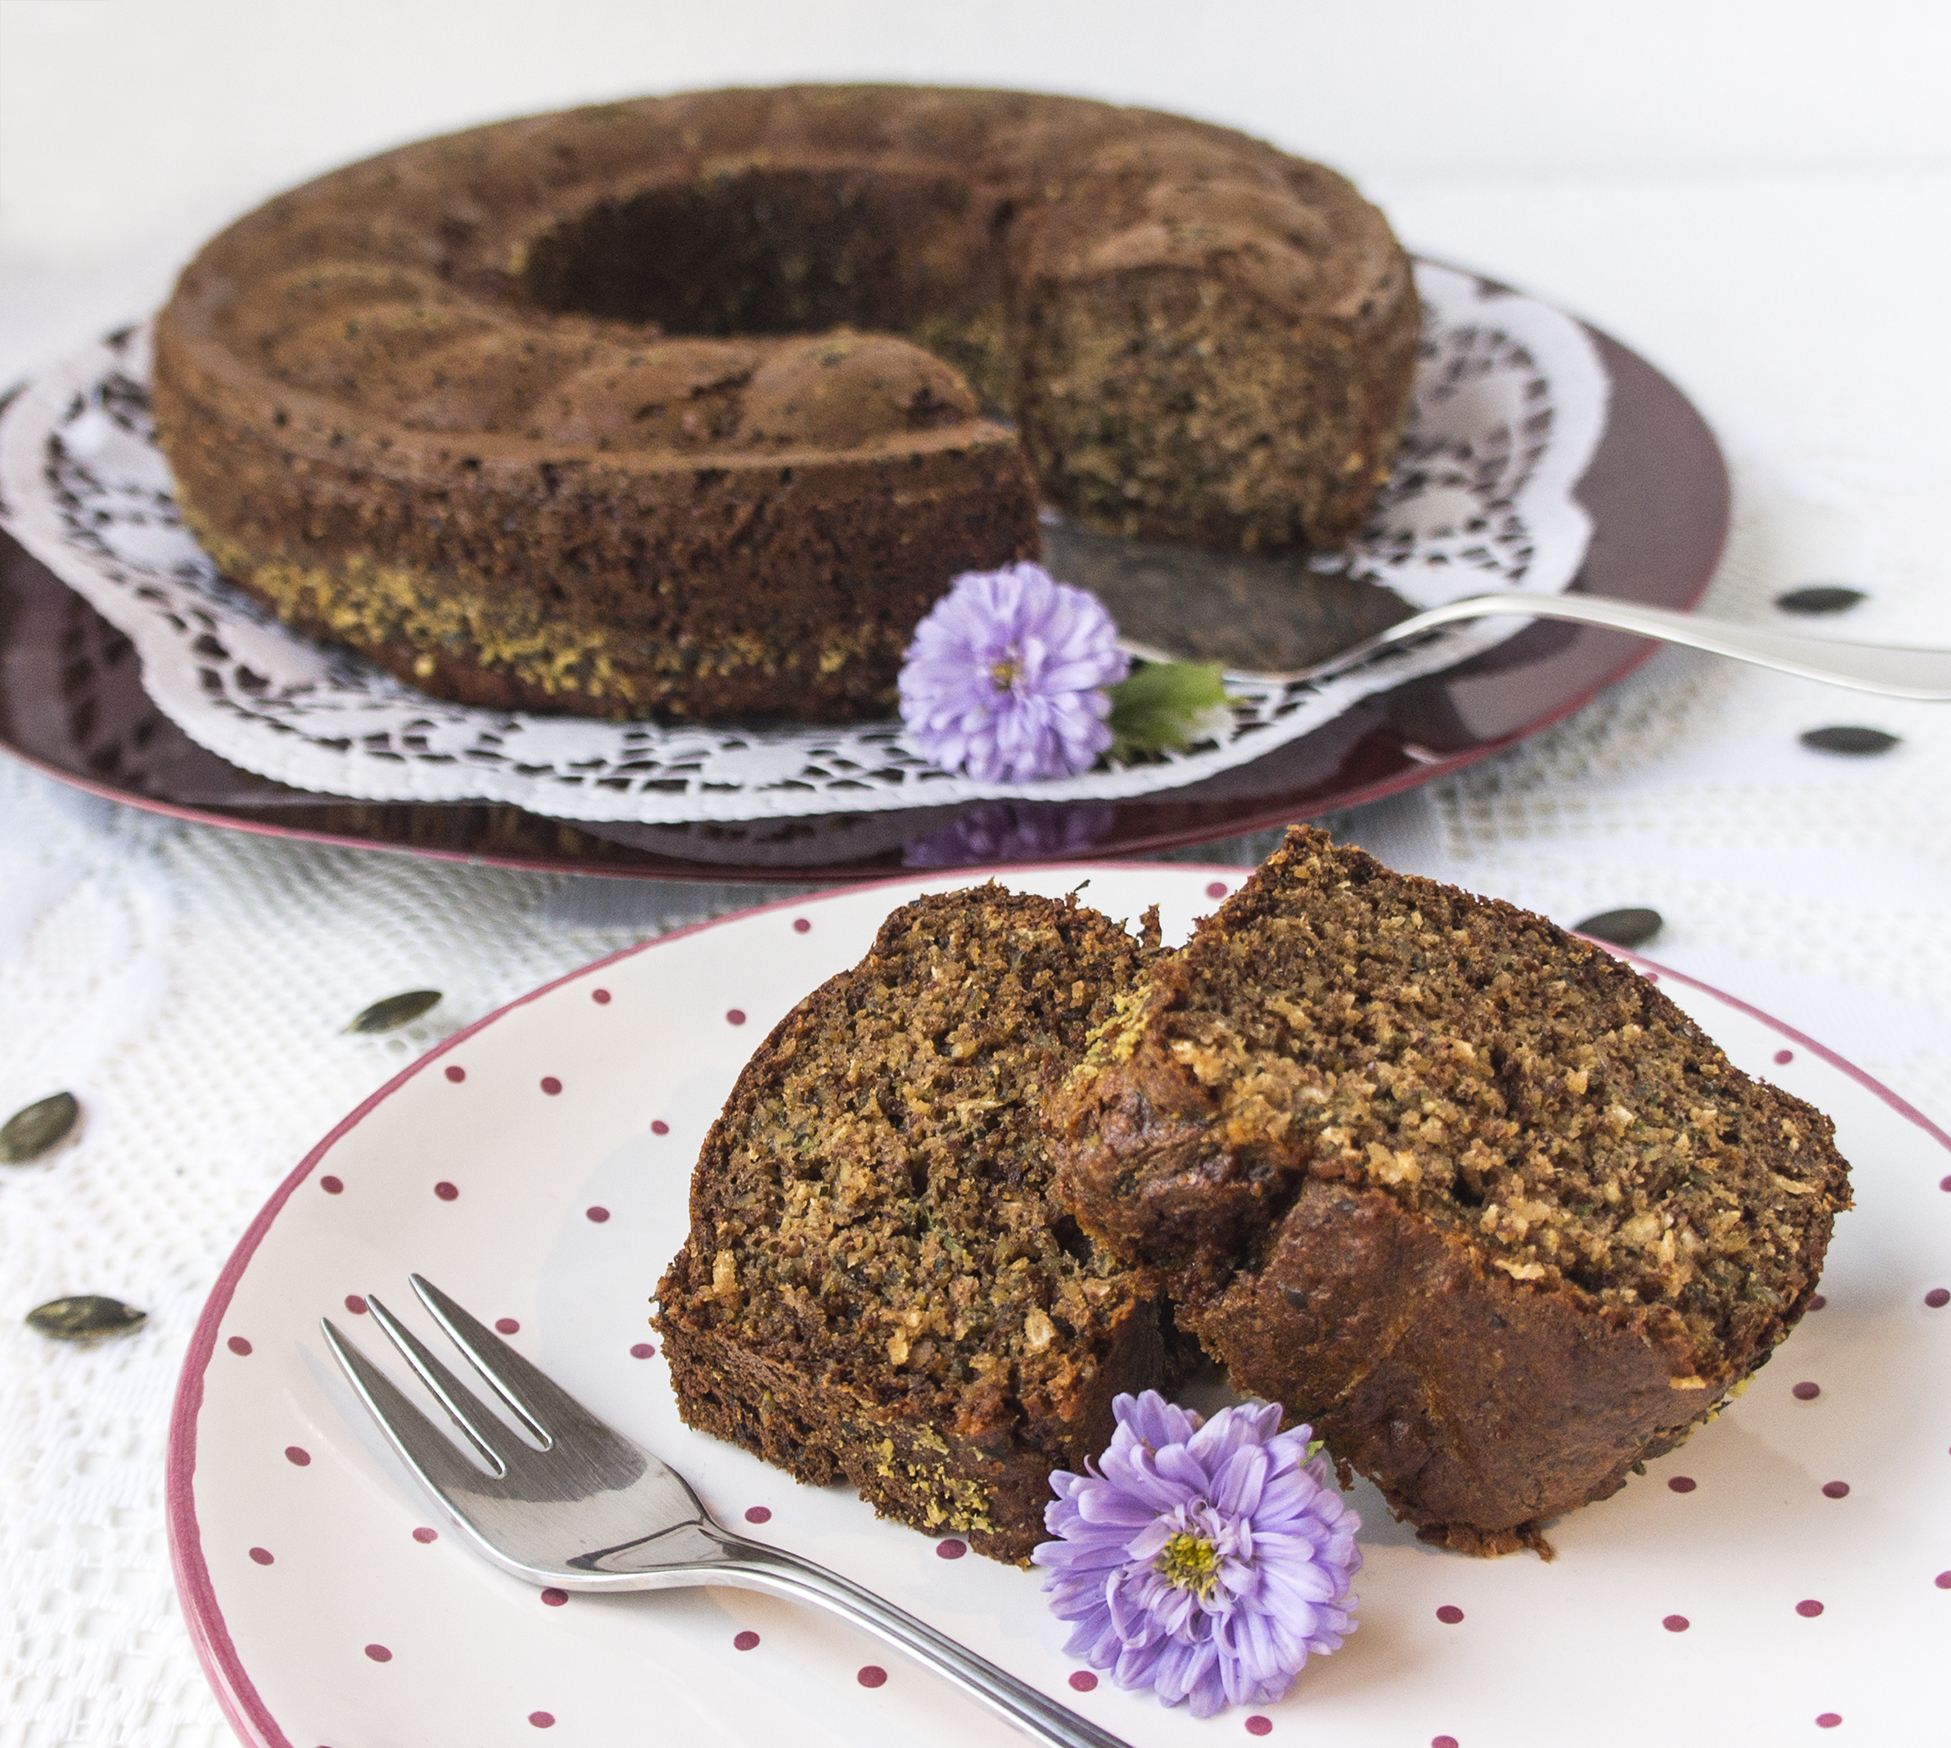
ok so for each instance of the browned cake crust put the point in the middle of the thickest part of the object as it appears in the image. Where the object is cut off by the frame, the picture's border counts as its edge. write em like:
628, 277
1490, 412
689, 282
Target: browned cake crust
571, 412
1464, 1191
876, 1283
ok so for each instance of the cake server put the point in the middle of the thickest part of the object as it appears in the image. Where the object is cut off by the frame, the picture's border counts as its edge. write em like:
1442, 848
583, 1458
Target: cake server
592, 1510
1275, 620
1891, 670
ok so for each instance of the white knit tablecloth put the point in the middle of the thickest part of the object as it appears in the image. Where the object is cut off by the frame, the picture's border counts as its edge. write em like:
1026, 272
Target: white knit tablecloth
189, 985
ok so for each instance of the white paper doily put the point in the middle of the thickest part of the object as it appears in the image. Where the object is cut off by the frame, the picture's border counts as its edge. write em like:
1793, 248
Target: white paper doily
1510, 402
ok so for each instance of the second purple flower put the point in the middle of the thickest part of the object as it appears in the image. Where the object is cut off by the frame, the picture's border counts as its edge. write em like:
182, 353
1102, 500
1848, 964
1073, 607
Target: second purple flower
1006, 677
1206, 1560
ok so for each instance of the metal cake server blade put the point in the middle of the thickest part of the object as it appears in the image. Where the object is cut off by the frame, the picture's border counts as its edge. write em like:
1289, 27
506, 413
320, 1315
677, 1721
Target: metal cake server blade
1279, 621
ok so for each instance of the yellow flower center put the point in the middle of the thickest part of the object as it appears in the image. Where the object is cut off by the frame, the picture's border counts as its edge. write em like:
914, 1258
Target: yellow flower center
1004, 674
1191, 1562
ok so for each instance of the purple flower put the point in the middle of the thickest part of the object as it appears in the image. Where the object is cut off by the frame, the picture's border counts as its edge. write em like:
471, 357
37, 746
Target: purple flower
1204, 1560
1005, 677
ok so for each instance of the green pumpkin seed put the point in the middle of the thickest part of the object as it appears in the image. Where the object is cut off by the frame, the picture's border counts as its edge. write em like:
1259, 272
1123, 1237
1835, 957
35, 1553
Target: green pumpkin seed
38, 1128
1819, 598
1623, 928
1854, 741
395, 1011
85, 1317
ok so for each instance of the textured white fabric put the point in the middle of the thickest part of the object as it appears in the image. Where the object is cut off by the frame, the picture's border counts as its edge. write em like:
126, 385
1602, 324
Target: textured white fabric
1509, 403
189, 984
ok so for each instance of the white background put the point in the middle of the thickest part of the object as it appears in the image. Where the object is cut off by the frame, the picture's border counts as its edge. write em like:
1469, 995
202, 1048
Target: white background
126, 118
130, 128
1756, 194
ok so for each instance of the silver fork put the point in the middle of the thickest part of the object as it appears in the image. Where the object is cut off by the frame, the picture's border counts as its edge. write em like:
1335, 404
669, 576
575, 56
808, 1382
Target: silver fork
591, 1510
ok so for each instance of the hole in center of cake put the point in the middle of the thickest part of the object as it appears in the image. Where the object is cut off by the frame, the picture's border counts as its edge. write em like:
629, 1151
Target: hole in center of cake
787, 251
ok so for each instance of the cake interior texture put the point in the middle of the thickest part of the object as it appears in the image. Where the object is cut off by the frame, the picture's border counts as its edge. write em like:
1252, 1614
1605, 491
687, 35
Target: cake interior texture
1468, 1193
877, 1283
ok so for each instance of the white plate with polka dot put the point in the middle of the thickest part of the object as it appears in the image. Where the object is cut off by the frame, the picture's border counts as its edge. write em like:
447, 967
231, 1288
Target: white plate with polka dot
1782, 1578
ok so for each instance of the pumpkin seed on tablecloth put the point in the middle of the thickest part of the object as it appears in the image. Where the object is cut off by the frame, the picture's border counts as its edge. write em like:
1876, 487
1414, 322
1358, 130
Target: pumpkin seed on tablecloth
38, 1128
395, 1011
1622, 928
1844, 738
85, 1317
1820, 598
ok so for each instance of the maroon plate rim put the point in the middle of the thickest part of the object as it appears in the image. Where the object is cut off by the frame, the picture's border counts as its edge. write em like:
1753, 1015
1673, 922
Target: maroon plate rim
1657, 489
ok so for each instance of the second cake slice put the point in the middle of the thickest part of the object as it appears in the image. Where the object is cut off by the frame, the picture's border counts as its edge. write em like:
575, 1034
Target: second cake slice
1467, 1193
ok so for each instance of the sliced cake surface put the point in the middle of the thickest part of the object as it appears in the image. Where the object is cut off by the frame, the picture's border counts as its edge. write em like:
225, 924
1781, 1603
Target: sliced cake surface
1468, 1193
877, 1283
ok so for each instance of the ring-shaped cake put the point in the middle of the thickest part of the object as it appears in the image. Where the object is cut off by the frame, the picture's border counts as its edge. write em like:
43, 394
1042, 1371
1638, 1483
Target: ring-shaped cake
691, 407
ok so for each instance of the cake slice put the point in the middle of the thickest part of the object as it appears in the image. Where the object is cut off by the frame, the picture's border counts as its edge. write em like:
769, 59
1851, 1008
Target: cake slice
1467, 1193
877, 1283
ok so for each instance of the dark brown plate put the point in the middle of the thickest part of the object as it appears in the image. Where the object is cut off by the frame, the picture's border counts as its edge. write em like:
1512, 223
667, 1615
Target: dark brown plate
72, 703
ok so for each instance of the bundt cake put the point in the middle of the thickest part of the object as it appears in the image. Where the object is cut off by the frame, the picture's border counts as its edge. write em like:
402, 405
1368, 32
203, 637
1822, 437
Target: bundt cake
692, 406
1464, 1191
876, 1283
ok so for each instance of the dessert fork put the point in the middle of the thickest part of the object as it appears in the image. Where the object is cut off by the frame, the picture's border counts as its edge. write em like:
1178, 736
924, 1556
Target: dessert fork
584, 1508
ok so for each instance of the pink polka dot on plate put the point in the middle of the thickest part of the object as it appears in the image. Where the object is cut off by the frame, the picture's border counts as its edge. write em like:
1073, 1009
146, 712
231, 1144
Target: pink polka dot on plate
1944, 1183
446, 1191
1943, 1581
456, 1073
1083, 1680
1784, 1055
1828, 1720
1216, 889
659, 1127
1676, 1623
423, 1534
542, 1720
601, 997
1683, 1483
262, 1556
1258, 1725
1817, 1302
1442, 1742
355, 1304
508, 1326
554, 1598
297, 1454
1805, 1391
801, 925
596, 1216
1449, 1614
1937, 1298
330, 1185
238, 1345
642, 1350
379, 1654
736, 1017
745, 1641
758, 1514
871, 1675
1651, 976
551, 1085
1835, 1490
1808, 1608
951, 1549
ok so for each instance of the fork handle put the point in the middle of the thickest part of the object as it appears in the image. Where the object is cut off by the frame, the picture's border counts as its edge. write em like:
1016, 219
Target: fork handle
753, 1566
